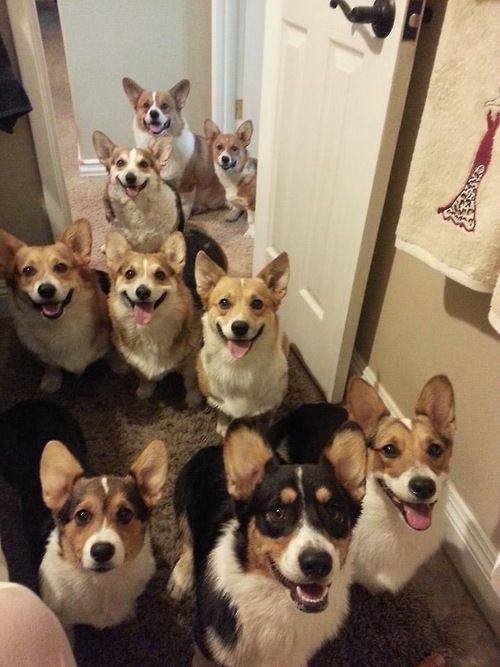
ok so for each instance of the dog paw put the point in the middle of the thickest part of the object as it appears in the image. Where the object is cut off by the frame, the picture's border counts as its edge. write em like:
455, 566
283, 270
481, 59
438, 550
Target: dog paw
233, 216
51, 381
181, 579
145, 389
103, 248
221, 429
193, 398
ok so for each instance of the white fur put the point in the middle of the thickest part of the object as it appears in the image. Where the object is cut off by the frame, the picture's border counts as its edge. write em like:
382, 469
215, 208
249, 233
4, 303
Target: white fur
273, 632
385, 551
102, 600
106, 534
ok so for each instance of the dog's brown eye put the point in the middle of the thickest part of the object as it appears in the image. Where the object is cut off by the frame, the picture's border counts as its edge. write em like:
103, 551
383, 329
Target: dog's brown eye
224, 304
256, 304
336, 514
234, 148
390, 451
60, 267
124, 515
434, 450
83, 517
120, 163
160, 275
143, 164
164, 107
276, 514
146, 105
219, 147
28, 271
129, 274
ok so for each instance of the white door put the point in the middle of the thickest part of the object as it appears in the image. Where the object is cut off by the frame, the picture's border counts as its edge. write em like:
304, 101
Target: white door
332, 99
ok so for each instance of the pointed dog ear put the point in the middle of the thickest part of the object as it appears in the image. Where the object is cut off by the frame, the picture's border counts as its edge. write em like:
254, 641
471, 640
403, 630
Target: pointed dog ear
132, 89
149, 471
207, 274
116, 248
276, 275
347, 453
175, 250
78, 237
437, 402
211, 130
161, 150
9, 245
104, 148
245, 458
245, 132
180, 93
58, 472
364, 405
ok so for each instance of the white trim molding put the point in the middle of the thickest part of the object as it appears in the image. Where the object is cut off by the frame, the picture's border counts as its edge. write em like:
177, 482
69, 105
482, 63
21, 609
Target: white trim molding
466, 543
91, 167
224, 62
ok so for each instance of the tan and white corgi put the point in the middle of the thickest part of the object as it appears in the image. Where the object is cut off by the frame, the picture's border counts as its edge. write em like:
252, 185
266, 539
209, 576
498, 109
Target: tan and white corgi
189, 168
154, 324
236, 170
58, 307
137, 201
242, 366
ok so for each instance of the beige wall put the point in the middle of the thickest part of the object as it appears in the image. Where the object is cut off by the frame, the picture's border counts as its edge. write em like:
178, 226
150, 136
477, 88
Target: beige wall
416, 323
22, 212
156, 43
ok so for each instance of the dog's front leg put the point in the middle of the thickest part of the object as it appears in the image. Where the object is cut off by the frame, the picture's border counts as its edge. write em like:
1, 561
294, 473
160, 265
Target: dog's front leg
193, 396
235, 212
249, 234
51, 380
187, 202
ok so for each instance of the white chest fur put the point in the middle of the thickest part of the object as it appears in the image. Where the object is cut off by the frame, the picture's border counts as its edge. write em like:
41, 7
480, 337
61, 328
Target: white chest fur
101, 600
386, 552
182, 151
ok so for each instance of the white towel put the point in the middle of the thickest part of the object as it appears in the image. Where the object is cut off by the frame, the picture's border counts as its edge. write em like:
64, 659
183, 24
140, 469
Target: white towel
450, 216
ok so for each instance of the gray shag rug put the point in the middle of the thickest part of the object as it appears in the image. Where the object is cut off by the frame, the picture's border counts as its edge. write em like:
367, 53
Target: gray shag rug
386, 630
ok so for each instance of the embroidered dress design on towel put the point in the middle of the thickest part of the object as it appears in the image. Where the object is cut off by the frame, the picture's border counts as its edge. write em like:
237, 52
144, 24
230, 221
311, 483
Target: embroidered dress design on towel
462, 210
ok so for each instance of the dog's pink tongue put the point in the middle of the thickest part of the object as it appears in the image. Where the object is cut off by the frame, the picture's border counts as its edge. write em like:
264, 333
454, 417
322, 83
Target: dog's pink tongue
238, 348
51, 309
418, 516
132, 192
143, 313
311, 592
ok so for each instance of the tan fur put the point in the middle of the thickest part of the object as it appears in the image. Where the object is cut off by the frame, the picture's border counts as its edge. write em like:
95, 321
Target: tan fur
348, 456
288, 495
245, 457
173, 337
240, 178
262, 548
190, 168
256, 382
80, 335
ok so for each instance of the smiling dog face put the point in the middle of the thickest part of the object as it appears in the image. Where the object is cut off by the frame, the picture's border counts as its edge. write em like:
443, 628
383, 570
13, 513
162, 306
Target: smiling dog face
229, 151
241, 310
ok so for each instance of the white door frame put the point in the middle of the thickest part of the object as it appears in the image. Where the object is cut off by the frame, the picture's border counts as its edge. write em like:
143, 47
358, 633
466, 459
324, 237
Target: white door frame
224, 61
31, 58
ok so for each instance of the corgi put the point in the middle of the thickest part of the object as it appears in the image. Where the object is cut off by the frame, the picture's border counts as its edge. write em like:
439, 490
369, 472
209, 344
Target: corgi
402, 520
136, 200
58, 307
264, 547
242, 367
236, 170
189, 168
155, 326
98, 558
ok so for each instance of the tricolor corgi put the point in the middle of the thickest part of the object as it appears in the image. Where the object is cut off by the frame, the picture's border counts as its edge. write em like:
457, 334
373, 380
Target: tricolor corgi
189, 168
137, 201
58, 307
236, 170
242, 366
402, 520
264, 545
155, 326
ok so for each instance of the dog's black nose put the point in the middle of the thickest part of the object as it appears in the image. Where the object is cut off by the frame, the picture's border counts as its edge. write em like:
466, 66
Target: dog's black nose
46, 290
225, 159
422, 487
314, 563
154, 114
143, 292
101, 552
130, 178
239, 328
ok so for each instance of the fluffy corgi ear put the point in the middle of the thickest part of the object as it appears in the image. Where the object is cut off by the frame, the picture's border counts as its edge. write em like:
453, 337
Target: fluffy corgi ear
276, 275
245, 132
149, 471
437, 401
132, 89
116, 248
211, 130
78, 237
245, 457
347, 453
9, 245
175, 250
58, 472
207, 274
180, 93
103, 147
364, 405
161, 150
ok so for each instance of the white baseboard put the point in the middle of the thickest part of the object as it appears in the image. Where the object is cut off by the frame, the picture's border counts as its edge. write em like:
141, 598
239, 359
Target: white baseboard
466, 543
91, 167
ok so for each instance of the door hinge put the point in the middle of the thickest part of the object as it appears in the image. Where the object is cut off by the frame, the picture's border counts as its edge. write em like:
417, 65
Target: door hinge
238, 109
417, 13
